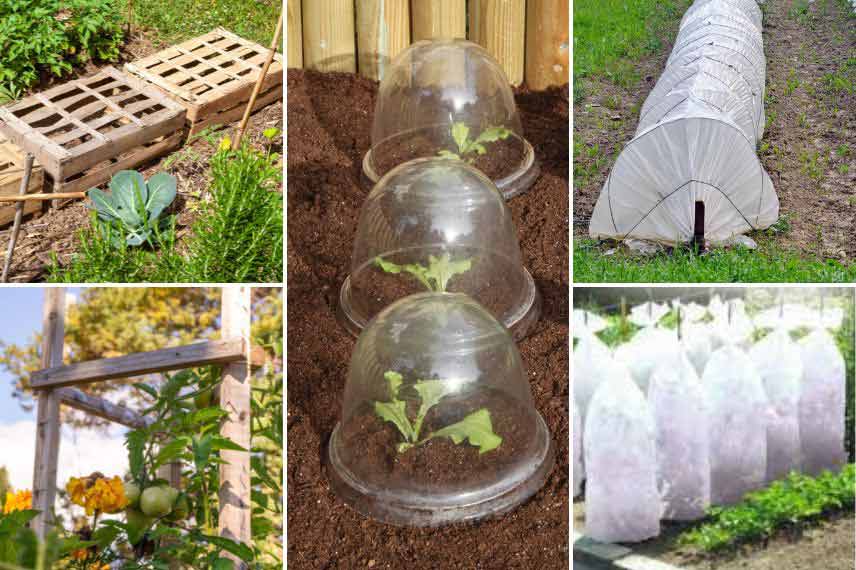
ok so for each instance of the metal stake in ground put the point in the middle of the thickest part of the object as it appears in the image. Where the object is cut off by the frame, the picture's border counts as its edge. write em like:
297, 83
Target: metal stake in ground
19, 215
273, 47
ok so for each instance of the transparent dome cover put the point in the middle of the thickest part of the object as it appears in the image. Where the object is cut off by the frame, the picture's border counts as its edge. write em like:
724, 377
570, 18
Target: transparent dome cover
450, 98
437, 225
438, 423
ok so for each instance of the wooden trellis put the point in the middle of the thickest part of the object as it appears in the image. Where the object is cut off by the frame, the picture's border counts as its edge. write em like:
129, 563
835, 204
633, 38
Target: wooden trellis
11, 175
55, 383
84, 131
212, 76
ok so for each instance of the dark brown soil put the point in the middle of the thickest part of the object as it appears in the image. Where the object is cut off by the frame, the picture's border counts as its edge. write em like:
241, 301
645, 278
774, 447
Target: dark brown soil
55, 231
329, 123
503, 156
369, 447
808, 147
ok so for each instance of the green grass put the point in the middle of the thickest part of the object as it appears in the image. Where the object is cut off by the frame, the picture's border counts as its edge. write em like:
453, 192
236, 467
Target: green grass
607, 33
176, 20
740, 265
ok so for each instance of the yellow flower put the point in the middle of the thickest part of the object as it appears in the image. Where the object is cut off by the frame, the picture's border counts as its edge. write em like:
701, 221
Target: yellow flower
20, 501
96, 493
226, 143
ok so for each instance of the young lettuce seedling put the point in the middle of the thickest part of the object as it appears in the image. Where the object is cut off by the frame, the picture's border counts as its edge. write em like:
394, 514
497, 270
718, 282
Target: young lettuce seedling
436, 276
467, 146
476, 427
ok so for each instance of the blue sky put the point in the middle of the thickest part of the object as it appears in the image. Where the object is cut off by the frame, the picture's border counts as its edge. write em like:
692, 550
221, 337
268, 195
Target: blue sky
22, 315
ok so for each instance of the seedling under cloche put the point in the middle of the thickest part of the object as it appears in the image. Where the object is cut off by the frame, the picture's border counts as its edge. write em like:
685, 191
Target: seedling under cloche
441, 226
438, 423
450, 98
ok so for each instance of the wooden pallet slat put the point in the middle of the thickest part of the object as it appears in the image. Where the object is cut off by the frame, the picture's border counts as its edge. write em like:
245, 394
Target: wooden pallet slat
72, 129
11, 175
212, 76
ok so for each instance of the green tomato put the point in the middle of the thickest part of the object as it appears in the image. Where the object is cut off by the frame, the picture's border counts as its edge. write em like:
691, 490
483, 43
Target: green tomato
181, 509
157, 501
203, 400
138, 524
132, 492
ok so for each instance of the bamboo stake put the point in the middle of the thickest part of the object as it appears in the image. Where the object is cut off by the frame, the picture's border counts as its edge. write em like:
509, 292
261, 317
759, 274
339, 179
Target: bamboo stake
499, 26
19, 215
435, 19
383, 31
130, 16
295, 35
43, 196
47, 422
273, 47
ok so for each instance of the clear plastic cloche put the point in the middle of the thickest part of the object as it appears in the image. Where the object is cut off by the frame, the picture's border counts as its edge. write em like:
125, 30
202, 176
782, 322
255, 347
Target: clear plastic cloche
438, 423
440, 226
450, 98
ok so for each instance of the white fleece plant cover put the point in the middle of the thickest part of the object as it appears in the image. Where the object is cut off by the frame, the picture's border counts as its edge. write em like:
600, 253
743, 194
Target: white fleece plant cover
696, 138
778, 361
579, 473
622, 501
821, 407
679, 408
738, 415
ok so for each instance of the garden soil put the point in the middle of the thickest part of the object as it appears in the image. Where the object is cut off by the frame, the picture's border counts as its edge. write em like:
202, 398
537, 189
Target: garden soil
54, 233
329, 124
809, 146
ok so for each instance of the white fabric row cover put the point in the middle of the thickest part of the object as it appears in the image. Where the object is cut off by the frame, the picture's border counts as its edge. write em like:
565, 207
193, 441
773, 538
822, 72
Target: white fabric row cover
696, 138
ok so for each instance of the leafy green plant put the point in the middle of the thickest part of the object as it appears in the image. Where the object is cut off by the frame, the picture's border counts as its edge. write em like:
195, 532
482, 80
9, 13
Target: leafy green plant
468, 147
435, 277
475, 427
134, 206
795, 501
53, 36
238, 236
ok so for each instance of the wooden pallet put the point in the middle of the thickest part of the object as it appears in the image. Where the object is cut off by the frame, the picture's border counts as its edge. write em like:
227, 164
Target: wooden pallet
11, 174
212, 76
83, 131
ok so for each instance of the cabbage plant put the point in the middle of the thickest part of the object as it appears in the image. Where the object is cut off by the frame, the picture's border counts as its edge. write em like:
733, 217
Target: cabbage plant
133, 207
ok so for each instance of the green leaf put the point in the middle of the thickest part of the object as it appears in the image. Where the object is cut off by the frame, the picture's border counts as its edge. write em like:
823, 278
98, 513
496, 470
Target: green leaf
430, 392
223, 564
461, 134
476, 427
395, 412
394, 379
127, 187
162, 188
147, 389
442, 269
449, 154
493, 134
218, 443
202, 447
170, 451
271, 133
239, 549
135, 441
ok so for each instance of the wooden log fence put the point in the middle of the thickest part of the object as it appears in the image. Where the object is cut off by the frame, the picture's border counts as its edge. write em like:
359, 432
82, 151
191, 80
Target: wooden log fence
529, 38
54, 386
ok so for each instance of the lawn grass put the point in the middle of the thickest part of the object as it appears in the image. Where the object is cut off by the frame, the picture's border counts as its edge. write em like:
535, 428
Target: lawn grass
609, 35
765, 265
171, 21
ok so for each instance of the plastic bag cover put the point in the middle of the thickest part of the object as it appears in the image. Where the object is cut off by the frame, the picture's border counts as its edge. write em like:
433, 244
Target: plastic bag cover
738, 425
778, 361
593, 363
696, 137
821, 407
645, 351
680, 417
622, 502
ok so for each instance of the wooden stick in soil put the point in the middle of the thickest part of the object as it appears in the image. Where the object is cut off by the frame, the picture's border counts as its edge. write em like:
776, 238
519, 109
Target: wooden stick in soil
130, 17
273, 47
43, 197
19, 215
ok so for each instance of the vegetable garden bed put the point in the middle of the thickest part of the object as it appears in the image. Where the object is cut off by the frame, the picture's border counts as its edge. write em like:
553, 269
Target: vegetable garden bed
64, 244
329, 133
